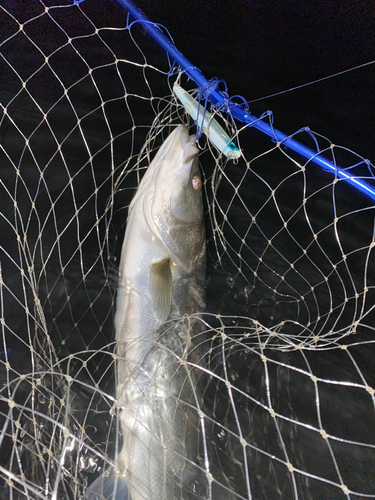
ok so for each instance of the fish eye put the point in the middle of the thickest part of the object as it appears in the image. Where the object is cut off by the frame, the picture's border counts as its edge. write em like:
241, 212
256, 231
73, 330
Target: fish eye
197, 183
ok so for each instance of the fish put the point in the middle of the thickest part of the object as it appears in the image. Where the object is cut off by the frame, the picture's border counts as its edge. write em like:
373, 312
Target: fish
161, 284
209, 125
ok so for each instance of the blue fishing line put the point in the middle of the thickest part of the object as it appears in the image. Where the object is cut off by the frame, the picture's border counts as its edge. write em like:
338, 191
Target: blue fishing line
157, 25
308, 131
368, 163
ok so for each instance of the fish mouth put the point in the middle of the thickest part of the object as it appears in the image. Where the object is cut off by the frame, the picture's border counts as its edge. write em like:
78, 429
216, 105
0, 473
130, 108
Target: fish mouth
174, 158
169, 171
190, 149
176, 142
187, 145
182, 142
171, 152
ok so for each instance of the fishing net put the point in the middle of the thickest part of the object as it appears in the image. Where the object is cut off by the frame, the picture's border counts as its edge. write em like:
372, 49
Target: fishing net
285, 393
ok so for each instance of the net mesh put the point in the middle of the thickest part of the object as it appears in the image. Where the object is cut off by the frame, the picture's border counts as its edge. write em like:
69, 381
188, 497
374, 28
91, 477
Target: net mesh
286, 398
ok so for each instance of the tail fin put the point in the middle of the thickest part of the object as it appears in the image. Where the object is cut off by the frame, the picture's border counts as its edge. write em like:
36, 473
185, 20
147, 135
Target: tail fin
108, 486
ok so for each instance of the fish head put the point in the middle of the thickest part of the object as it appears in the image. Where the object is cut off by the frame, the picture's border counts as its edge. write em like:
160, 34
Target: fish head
182, 191
173, 202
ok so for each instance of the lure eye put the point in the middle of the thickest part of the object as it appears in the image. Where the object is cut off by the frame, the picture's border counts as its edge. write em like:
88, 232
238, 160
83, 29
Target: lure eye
197, 183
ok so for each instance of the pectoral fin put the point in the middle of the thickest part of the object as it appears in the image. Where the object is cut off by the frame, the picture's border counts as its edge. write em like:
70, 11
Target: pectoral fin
161, 287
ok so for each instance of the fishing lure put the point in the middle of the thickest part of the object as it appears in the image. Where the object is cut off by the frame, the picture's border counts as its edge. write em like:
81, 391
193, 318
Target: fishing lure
215, 133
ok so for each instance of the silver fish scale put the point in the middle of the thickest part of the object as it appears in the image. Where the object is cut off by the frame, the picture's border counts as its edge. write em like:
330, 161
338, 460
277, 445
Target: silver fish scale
160, 401
158, 385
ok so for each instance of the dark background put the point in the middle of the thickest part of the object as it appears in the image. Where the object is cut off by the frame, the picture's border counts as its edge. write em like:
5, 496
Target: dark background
259, 49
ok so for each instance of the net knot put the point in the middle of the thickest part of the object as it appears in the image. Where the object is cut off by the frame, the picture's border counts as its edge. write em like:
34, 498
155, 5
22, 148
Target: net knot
205, 90
225, 103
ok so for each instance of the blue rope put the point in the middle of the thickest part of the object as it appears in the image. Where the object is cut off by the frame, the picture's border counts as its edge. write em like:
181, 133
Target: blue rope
219, 99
